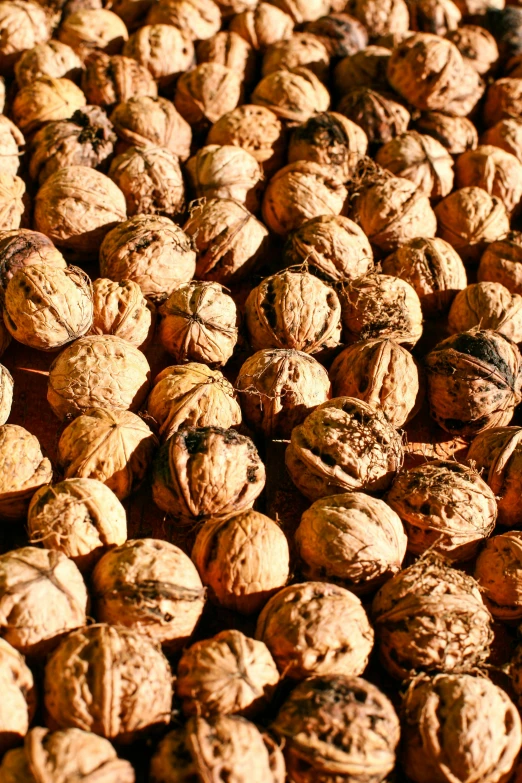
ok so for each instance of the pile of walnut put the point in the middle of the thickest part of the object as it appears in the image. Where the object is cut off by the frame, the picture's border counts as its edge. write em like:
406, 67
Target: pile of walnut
260, 391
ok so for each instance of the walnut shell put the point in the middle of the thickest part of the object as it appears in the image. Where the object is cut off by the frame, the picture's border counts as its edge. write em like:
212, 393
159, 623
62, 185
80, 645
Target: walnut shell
380, 116
500, 262
301, 50
6, 393
299, 192
152, 122
122, 701
498, 571
151, 586
63, 756
333, 246
88, 29
199, 323
197, 19
226, 172
122, 310
496, 454
257, 130
192, 395
381, 306
230, 7
487, 306
150, 178
229, 673
303, 10
494, 170
382, 373
433, 268
316, 628
293, 310
98, 371
294, 95
338, 728
12, 201
453, 708
228, 239
43, 597
110, 80
19, 696
364, 68
503, 101
421, 159
229, 49
46, 307
24, 25
207, 92
133, 12
80, 517
344, 445
329, 139
474, 382
76, 207
264, 25
342, 34
353, 540
24, 469
162, 48
149, 250
381, 16
431, 617
11, 145
278, 388
476, 45
205, 748
506, 134
20, 248
207, 473
114, 447
457, 134
468, 219
243, 560
435, 16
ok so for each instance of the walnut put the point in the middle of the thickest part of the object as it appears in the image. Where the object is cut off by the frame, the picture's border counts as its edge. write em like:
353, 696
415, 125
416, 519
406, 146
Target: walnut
207, 92
338, 728
329, 139
469, 218
45, 99
301, 50
114, 447
110, 80
243, 560
431, 617
316, 628
207, 473
457, 134
98, 371
24, 25
342, 34
162, 48
435, 16
197, 19
381, 306
257, 130
230, 7
66, 755
199, 323
476, 45
192, 395
24, 468
498, 571
299, 192
229, 240
496, 454
503, 101
122, 701
421, 159
500, 262
43, 597
229, 49
89, 29
487, 306
494, 170
226, 172
229, 673
263, 26
278, 388
379, 115
152, 586
506, 134
294, 95
11, 146
121, 309
150, 178
364, 68
474, 382
20, 248
80, 517
293, 310
86, 139
206, 748
478, 8
20, 696
433, 268
133, 12
454, 708
6, 393
152, 122
381, 16
303, 10
382, 373
12, 201
151, 251
76, 207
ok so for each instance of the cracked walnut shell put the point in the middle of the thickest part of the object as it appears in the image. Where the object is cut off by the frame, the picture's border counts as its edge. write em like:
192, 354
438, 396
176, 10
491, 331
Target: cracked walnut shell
23, 470
19, 696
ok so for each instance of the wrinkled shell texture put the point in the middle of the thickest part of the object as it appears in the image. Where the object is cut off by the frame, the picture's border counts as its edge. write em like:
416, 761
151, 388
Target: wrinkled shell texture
207, 472
456, 134
381, 116
257, 130
11, 142
421, 159
329, 139
293, 95
121, 309
500, 263
20, 248
207, 92
150, 179
496, 454
24, 469
496, 171
487, 306
152, 587
431, 617
243, 560
46, 99
316, 628
110, 80
19, 696
12, 204
226, 172
263, 26
499, 572
344, 445
24, 25
52, 58
162, 48
95, 28
144, 121
119, 701
6, 394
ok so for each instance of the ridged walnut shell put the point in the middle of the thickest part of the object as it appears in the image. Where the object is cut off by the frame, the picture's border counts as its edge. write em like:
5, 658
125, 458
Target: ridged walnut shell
107, 81
144, 121
501, 262
257, 130
122, 310
342, 34
19, 697
163, 49
498, 571
20, 248
197, 19
46, 99
301, 50
91, 29
150, 178
52, 58
232, 50
207, 92
487, 306
494, 170
381, 17
364, 68
476, 45
497, 455
456, 134
24, 25
421, 159
13, 203
380, 115
6, 394
503, 101
329, 139
226, 172
263, 26
294, 95
506, 134
24, 469
11, 146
